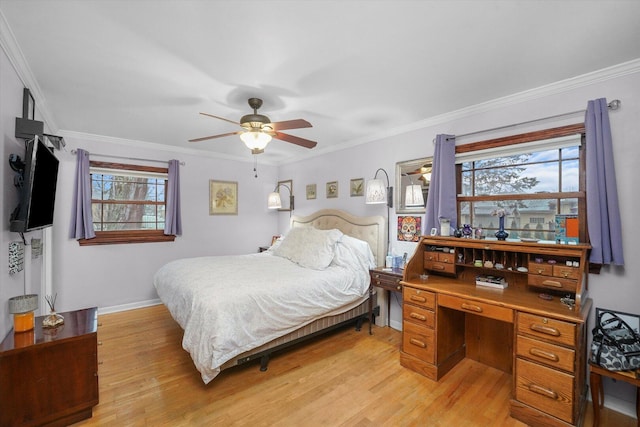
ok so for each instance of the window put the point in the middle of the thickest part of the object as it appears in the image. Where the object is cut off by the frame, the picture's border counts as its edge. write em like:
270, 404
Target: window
128, 203
532, 180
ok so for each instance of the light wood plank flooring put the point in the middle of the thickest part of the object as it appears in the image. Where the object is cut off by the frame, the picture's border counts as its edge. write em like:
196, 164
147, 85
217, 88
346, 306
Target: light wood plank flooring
347, 378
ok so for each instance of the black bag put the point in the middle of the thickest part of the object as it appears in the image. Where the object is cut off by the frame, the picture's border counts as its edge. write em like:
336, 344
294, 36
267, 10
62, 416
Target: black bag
615, 345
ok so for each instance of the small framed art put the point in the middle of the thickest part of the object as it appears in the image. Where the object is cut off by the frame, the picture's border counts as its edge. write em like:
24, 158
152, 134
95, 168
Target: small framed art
332, 189
357, 187
311, 191
223, 197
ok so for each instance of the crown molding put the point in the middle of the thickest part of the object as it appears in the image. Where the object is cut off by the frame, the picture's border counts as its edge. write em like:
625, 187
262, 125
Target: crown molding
131, 143
609, 73
19, 62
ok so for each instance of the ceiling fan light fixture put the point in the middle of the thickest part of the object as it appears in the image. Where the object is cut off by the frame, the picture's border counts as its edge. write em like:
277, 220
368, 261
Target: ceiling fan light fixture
255, 140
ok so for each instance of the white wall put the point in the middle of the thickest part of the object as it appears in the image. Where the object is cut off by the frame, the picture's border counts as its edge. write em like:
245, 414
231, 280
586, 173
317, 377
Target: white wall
110, 276
616, 287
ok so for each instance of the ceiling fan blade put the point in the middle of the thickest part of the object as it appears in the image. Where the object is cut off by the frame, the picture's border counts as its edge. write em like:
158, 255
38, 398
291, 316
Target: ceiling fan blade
204, 138
290, 124
295, 140
220, 118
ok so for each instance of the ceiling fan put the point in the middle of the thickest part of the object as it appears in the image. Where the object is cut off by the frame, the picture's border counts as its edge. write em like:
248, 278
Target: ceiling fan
257, 129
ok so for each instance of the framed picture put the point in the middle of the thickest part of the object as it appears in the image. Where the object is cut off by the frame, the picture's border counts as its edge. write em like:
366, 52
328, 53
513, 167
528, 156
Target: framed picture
409, 228
311, 191
223, 197
332, 189
28, 105
274, 238
285, 188
357, 187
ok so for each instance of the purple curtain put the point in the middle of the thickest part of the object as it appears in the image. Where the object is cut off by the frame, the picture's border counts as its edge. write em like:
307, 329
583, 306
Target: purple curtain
81, 216
173, 220
441, 200
603, 213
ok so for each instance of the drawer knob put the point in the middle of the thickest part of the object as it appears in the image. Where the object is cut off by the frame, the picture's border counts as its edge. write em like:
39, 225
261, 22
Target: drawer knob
548, 330
377, 276
418, 316
544, 354
543, 391
438, 267
471, 307
418, 343
417, 298
399, 287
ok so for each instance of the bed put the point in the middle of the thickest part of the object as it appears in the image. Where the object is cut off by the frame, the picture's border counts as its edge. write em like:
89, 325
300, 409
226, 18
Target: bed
234, 309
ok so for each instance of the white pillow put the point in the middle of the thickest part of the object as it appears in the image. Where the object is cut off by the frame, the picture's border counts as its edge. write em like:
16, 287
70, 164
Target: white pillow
309, 247
360, 248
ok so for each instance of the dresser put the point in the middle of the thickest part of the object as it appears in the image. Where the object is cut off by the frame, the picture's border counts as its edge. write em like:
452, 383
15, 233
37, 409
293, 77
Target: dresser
534, 329
49, 377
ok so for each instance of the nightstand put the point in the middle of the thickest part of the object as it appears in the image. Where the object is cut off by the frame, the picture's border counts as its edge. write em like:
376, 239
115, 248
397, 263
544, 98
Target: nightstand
263, 248
388, 280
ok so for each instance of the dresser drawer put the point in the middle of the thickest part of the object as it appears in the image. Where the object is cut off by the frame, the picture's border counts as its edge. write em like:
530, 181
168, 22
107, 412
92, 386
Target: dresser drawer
418, 341
418, 315
481, 309
386, 281
545, 353
548, 329
416, 296
545, 389
557, 283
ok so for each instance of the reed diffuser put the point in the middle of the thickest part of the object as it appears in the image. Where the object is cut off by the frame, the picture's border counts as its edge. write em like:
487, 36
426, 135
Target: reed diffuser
53, 319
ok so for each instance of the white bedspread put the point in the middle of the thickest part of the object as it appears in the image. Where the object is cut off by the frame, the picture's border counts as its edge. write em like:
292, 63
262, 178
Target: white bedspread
230, 304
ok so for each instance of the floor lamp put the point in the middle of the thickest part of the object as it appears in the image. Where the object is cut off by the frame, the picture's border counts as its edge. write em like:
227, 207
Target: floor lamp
377, 193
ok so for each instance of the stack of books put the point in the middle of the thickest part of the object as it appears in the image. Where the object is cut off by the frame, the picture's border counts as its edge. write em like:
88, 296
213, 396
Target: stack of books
491, 281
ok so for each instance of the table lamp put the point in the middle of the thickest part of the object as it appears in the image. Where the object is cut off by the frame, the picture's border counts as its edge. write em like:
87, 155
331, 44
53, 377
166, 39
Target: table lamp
22, 308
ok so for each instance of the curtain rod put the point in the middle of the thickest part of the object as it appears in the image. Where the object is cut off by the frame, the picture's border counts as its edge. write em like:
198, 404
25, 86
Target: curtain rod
74, 151
613, 105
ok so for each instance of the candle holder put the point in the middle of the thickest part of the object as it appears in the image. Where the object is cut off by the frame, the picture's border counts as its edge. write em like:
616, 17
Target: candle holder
53, 319
22, 308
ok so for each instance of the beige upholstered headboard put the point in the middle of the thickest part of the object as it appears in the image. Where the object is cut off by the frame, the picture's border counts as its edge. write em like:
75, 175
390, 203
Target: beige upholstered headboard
371, 229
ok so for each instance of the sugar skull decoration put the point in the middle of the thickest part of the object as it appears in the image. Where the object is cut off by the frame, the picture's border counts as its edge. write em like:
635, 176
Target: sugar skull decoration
409, 228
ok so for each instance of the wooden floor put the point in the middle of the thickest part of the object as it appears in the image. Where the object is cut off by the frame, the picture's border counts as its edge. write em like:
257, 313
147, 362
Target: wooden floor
347, 378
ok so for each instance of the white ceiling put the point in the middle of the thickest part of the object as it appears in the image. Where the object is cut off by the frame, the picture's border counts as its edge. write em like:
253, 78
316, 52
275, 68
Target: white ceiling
142, 70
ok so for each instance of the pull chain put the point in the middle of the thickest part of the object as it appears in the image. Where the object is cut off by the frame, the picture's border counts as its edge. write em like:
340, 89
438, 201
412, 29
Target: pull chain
255, 166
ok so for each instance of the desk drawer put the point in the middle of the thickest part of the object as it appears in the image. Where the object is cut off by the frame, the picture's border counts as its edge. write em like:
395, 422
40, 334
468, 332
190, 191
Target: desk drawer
556, 283
546, 389
545, 353
548, 329
418, 341
475, 307
566, 272
418, 315
540, 269
386, 281
416, 296
440, 267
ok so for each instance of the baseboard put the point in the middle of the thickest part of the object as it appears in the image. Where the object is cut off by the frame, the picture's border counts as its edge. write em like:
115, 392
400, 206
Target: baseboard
131, 306
395, 324
620, 405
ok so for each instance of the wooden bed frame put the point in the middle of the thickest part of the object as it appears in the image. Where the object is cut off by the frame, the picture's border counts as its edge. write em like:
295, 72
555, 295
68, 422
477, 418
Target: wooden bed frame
372, 230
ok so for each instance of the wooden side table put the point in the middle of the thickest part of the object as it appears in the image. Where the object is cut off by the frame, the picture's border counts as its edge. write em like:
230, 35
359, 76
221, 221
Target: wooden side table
597, 390
388, 280
49, 377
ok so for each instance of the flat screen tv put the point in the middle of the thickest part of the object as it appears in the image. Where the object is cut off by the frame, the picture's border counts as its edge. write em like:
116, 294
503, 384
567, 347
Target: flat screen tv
38, 190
